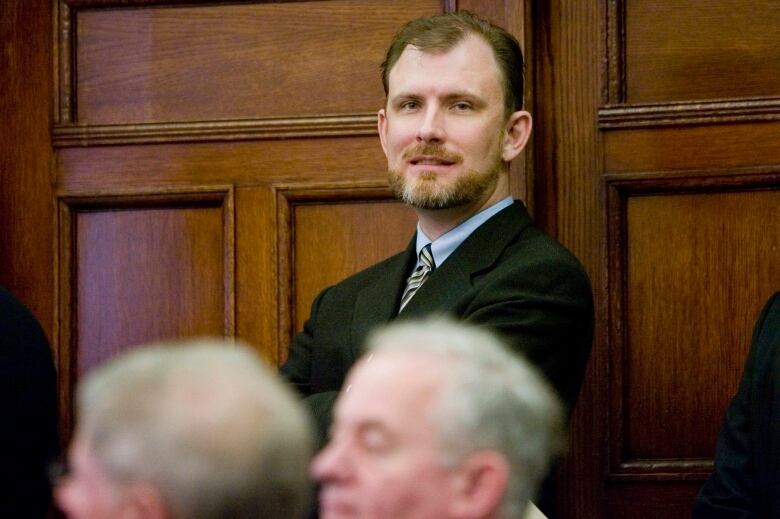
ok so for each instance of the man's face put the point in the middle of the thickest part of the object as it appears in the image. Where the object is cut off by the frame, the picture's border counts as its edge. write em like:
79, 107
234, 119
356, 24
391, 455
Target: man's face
444, 129
87, 492
384, 460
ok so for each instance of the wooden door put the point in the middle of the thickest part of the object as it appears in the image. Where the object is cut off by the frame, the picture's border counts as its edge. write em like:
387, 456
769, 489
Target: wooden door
198, 168
206, 167
658, 163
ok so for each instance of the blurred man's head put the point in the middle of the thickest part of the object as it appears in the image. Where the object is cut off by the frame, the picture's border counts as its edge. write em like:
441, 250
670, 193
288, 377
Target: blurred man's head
193, 431
438, 421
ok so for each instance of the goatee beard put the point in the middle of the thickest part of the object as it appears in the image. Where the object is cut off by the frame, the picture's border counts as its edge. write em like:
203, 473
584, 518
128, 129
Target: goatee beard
426, 192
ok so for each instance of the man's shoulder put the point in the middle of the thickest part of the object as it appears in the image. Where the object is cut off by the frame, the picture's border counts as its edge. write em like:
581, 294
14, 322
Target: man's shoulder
372, 273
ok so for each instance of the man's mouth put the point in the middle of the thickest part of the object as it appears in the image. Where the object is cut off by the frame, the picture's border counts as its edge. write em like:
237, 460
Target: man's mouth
430, 161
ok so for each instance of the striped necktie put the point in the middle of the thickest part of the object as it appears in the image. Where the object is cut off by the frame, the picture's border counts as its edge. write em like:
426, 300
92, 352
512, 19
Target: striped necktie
419, 275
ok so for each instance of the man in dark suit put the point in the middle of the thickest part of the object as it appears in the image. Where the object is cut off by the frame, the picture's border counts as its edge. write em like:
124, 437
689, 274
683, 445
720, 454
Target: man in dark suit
746, 480
28, 402
452, 123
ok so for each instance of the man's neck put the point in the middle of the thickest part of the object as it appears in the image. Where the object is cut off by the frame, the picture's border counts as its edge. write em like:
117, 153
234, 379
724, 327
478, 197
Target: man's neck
436, 222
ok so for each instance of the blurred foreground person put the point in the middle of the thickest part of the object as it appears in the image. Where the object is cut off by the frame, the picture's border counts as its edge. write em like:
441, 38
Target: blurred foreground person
28, 399
197, 430
439, 420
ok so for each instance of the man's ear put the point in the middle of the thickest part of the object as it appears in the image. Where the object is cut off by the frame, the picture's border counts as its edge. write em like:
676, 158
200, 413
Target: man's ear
144, 501
480, 486
518, 129
381, 126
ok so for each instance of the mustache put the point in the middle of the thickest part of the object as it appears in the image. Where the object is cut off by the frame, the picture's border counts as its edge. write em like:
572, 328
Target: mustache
432, 150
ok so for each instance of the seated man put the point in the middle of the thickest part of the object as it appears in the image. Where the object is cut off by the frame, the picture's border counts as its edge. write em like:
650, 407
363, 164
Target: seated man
28, 399
438, 421
190, 431
746, 481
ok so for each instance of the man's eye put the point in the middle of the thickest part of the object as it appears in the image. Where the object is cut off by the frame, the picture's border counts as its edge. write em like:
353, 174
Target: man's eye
462, 106
409, 105
374, 440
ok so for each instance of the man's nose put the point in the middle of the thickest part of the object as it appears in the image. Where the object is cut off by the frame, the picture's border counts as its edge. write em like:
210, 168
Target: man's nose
331, 462
431, 128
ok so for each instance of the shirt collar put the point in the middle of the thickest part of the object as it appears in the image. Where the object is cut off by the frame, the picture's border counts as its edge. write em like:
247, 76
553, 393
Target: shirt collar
446, 244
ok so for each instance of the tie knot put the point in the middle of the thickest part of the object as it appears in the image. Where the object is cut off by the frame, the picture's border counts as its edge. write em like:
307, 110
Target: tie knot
426, 257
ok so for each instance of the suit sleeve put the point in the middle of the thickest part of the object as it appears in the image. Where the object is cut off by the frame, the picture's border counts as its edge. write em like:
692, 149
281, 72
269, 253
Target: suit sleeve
298, 372
547, 316
730, 490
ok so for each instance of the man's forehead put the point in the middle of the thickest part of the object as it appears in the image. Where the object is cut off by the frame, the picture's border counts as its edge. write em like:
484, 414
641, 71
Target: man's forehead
471, 61
391, 378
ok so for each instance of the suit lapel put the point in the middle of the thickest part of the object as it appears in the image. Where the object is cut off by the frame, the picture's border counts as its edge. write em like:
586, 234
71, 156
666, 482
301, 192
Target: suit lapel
378, 302
480, 251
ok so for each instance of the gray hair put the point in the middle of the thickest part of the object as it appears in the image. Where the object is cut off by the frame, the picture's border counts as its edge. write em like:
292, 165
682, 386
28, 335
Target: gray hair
204, 422
494, 400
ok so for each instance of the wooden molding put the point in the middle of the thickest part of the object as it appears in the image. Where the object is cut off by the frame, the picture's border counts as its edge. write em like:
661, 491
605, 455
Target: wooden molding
614, 64
359, 124
64, 64
287, 197
688, 113
68, 208
619, 189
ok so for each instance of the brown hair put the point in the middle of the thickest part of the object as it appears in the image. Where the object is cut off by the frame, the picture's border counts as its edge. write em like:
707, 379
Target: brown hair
442, 32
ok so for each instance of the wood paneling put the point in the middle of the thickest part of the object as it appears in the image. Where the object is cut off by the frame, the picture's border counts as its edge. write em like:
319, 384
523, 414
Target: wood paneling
677, 50
26, 206
346, 160
705, 146
233, 61
695, 276
568, 157
688, 162
148, 268
636, 501
368, 231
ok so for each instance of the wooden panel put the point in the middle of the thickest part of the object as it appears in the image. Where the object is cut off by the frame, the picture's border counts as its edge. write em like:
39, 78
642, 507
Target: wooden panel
724, 146
234, 61
257, 297
568, 157
127, 167
26, 209
678, 50
697, 275
687, 277
669, 499
149, 273
332, 234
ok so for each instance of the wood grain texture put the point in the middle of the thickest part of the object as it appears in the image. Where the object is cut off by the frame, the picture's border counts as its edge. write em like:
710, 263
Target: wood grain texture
27, 213
638, 501
698, 268
678, 50
115, 168
688, 113
333, 234
149, 273
718, 146
257, 273
255, 60
567, 161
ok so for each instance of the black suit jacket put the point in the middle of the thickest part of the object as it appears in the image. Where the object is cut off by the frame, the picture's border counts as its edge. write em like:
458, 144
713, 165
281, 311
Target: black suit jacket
507, 275
28, 402
746, 480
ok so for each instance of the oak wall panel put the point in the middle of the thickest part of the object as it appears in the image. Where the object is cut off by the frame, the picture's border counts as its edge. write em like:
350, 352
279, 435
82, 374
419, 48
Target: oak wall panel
691, 260
690, 147
677, 50
144, 268
242, 61
329, 234
354, 160
699, 267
